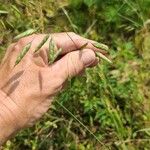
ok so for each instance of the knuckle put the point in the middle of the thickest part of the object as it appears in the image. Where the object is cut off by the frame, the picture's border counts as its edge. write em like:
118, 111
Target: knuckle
72, 33
60, 82
21, 42
26, 40
75, 37
11, 47
16, 47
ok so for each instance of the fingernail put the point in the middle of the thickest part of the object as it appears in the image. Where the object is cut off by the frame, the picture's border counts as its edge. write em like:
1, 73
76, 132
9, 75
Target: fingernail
88, 57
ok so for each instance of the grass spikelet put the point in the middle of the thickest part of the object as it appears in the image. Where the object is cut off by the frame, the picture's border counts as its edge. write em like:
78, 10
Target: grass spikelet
23, 53
42, 43
56, 55
24, 34
51, 51
53, 54
103, 57
101, 46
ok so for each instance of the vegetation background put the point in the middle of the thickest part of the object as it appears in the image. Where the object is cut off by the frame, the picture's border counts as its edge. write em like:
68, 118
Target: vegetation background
113, 101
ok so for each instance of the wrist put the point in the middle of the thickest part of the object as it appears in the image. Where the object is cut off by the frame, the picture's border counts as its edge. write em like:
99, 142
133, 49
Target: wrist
9, 117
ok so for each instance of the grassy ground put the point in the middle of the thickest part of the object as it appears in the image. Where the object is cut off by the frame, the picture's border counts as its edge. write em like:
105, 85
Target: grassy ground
111, 100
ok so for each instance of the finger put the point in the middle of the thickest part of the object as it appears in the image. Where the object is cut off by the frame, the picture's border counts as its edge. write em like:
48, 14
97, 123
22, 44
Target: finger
71, 41
73, 63
70, 65
66, 41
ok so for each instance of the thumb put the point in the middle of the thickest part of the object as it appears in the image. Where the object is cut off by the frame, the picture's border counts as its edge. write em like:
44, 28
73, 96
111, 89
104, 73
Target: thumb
74, 63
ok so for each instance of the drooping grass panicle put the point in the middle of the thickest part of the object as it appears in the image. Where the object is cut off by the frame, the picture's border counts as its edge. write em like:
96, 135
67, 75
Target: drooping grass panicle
23, 53
24, 34
42, 43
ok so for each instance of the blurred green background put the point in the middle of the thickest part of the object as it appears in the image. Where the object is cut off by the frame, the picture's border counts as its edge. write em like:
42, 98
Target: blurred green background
112, 101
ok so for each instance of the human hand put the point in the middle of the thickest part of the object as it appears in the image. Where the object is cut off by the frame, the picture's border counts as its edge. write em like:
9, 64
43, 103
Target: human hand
31, 85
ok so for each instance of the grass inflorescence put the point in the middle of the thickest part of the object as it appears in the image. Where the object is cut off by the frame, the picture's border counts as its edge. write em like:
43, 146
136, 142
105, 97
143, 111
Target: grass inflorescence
24, 34
23, 53
101, 46
112, 101
100, 55
42, 43
53, 52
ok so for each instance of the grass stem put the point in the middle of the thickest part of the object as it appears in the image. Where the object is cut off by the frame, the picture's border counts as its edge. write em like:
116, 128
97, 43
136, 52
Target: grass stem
81, 123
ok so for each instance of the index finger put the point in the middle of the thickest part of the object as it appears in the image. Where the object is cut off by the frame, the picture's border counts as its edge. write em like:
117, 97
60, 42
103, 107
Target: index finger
67, 41
71, 42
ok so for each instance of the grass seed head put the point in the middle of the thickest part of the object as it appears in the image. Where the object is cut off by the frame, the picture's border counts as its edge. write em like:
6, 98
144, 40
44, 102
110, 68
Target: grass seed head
103, 57
42, 43
23, 53
53, 54
56, 55
24, 34
101, 46
51, 51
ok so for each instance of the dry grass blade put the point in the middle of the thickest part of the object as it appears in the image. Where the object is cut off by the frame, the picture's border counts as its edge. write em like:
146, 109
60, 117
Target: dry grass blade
101, 46
82, 47
42, 43
69, 19
103, 57
72, 40
23, 53
24, 34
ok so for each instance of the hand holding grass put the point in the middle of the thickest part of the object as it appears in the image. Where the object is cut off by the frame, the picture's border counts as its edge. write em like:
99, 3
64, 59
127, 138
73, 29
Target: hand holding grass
30, 86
